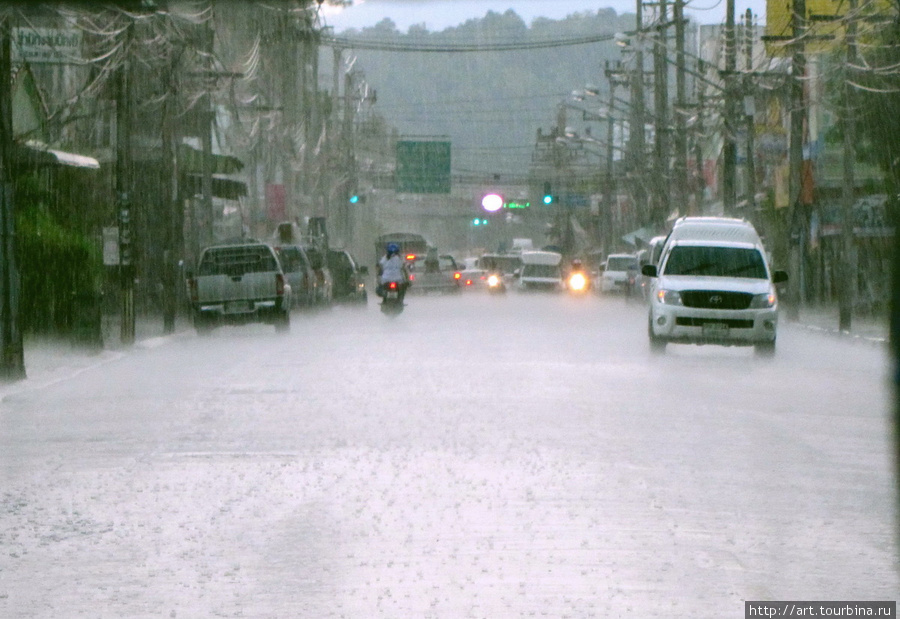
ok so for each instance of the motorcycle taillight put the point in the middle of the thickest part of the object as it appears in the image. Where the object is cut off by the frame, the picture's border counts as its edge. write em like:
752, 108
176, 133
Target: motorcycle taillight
392, 285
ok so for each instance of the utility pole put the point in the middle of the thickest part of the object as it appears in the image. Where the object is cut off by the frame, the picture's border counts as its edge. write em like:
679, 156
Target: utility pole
795, 158
124, 186
698, 139
661, 112
614, 75
334, 133
173, 227
12, 360
729, 149
637, 139
847, 278
681, 147
291, 87
206, 129
750, 113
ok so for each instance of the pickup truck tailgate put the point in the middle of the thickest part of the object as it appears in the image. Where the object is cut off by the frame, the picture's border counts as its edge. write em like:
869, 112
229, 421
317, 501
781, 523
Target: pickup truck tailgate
237, 276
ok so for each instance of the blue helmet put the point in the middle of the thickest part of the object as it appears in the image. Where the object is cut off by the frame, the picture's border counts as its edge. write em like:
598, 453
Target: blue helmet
392, 248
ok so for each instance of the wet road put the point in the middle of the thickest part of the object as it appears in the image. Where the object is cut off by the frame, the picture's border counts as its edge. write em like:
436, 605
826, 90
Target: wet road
474, 457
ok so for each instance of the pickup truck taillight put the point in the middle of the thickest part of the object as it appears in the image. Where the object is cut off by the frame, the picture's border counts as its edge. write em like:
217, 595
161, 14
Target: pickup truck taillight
457, 275
279, 284
192, 289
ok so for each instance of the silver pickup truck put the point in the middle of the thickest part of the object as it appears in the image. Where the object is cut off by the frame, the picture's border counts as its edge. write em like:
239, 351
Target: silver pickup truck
433, 273
237, 283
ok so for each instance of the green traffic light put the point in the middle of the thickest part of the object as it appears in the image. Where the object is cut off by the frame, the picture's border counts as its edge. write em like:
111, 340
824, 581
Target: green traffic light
354, 199
548, 199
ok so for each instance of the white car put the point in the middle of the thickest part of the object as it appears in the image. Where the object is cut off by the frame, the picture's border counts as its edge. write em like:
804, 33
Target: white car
541, 270
713, 285
619, 274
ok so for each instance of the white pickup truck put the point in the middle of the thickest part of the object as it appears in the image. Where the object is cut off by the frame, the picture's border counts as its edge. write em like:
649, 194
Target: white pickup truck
237, 283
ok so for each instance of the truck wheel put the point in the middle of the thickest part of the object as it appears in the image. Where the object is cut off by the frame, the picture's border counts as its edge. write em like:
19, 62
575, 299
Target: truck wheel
202, 324
764, 349
283, 323
657, 344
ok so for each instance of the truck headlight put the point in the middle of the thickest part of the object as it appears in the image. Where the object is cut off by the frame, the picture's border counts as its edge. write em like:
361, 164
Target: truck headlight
763, 301
669, 297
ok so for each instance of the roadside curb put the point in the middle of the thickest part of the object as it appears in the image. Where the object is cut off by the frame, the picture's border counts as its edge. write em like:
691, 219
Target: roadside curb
48, 362
835, 332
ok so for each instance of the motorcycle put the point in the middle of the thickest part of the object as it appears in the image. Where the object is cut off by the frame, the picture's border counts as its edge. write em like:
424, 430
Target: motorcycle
578, 283
495, 284
392, 299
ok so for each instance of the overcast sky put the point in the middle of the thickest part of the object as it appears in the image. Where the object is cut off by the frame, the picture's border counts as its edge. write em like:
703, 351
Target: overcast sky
439, 14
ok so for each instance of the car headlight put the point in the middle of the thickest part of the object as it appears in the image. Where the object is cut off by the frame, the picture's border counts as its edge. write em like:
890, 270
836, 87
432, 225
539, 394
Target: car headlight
493, 281
763, 301
669, 297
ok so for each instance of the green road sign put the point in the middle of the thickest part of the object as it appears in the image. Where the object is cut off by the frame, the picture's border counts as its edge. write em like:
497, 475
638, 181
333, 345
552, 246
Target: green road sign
423, 166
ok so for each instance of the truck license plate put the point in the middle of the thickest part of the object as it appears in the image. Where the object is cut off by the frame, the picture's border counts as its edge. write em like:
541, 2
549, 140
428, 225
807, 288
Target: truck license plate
236, 307
715, 329
392, 294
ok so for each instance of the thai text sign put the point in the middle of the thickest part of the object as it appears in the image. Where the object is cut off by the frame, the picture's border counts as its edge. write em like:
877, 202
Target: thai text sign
49, 45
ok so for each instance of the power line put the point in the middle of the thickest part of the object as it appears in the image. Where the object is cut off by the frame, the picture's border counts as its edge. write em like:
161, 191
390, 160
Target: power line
389, 46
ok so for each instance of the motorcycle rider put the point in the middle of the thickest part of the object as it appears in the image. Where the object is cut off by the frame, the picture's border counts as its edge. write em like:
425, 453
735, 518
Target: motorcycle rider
392, 268
577, 267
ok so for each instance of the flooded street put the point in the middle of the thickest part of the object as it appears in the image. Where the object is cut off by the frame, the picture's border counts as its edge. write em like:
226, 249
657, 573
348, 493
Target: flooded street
476, 456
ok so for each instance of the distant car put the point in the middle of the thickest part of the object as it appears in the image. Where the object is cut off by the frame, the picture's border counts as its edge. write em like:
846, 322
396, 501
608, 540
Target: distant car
300, 274
434, 273
620, 273
349, 277
503, 265
324, 279
541, 270
473, 279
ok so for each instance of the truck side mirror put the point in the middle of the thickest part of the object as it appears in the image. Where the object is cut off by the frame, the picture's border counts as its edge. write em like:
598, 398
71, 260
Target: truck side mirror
363, 270
649, 270
779, 277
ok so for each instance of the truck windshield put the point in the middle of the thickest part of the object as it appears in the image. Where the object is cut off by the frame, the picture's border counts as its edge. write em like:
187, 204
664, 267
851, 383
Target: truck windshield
716, 262
540, 270
628, 263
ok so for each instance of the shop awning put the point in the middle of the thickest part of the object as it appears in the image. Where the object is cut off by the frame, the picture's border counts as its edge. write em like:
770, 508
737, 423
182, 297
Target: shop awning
190, 161
39, 154
225, 188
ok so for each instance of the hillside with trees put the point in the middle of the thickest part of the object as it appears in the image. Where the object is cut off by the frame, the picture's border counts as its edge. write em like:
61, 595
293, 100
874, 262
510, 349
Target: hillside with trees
490, 103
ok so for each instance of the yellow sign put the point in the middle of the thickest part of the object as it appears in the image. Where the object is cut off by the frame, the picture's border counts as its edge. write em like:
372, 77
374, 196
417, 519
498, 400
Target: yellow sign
825, 23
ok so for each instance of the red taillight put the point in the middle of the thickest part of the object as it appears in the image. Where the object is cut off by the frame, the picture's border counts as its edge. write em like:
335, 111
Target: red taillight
410, 256
457, 275
192, 287
392, 285
412, 277
279, 284
468, 282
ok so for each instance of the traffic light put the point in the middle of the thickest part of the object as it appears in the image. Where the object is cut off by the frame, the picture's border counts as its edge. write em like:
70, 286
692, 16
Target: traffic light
480, 221
354, 199
548, 194
357, 199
